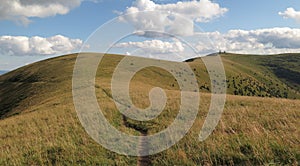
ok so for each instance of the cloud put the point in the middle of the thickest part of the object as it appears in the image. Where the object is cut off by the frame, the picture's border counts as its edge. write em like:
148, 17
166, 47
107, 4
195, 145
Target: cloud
21, 10
175, 18
22, 45
291, 13
260, 41
154, 46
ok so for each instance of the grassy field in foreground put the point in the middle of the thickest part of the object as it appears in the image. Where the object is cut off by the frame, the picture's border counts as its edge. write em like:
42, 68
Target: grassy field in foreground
39, 125
250, 132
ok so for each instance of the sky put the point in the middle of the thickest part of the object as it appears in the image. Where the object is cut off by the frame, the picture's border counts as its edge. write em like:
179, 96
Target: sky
164, 29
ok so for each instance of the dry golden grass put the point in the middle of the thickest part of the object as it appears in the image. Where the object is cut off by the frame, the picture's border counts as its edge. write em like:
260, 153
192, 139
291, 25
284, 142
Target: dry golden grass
252, 130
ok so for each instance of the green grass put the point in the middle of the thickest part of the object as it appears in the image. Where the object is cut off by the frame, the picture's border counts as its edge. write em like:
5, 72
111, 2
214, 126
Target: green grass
39, 125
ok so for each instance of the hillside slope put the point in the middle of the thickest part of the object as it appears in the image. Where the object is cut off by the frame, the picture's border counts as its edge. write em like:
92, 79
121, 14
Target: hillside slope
39, 124
261, 75
247, 75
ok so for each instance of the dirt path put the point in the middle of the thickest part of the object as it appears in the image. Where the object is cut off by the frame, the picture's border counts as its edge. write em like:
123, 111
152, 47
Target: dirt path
143, 148
143, 145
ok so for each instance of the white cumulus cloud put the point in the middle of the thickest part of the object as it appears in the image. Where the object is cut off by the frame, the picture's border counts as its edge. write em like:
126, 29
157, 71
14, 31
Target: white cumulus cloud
22, 45
154, 46
22, 10
291, 13
260, 41
175, 18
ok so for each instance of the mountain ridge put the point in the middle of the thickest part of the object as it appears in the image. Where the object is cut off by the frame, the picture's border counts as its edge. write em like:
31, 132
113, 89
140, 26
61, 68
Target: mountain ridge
256, 79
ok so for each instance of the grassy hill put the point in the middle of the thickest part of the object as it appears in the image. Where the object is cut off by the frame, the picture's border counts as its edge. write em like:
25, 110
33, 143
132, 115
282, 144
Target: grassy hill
39, 124
263, 76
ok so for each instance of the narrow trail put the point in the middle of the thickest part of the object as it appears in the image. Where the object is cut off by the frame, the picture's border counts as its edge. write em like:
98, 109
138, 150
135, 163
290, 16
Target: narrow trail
143, 148
143, 145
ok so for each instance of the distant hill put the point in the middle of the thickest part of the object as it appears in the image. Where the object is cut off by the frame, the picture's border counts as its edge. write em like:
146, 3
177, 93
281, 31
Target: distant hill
260, 124
3, 72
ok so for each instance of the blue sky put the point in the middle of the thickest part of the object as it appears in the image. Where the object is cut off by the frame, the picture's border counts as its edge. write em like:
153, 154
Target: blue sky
269, 26
255, 14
